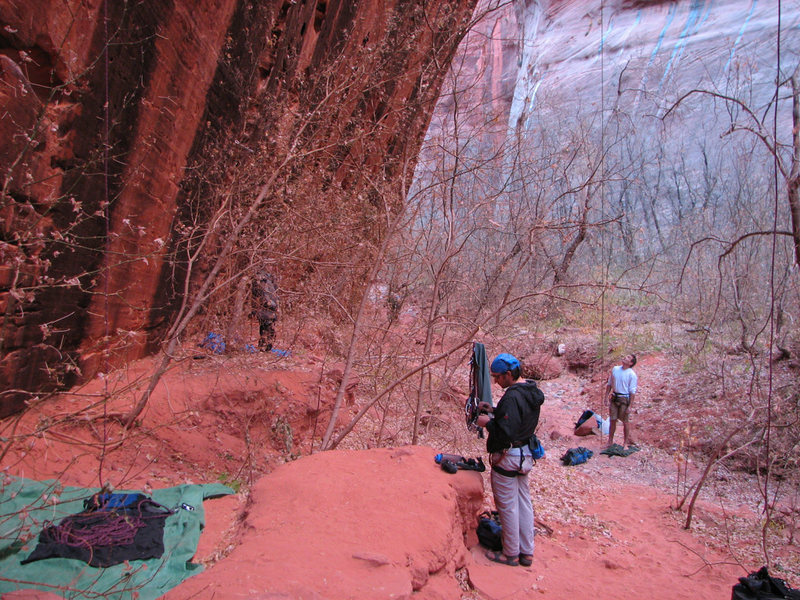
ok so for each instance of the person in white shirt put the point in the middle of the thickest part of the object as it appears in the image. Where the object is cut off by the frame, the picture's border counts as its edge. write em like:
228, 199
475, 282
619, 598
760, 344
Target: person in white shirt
620, 392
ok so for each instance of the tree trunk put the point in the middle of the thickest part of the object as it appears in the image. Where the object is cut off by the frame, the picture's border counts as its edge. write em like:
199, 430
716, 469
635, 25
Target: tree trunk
793, 180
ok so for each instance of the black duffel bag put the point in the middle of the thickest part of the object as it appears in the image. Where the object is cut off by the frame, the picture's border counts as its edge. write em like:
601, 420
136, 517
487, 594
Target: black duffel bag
490, 533
762, 586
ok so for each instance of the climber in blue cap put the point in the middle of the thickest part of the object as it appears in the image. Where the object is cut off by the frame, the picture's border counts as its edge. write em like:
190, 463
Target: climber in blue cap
511, 426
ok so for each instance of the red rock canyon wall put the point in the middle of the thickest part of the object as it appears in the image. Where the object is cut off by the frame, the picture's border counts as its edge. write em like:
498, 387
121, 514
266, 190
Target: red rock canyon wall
111, 110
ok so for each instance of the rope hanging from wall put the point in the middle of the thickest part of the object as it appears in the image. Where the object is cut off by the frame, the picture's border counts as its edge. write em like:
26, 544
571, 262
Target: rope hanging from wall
776, 193
104, 259
604, 266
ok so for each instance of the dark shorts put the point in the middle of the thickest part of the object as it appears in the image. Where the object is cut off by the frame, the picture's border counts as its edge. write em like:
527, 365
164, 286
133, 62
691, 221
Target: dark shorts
618, 408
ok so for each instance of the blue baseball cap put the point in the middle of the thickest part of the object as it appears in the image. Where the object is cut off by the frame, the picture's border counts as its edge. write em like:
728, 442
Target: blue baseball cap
504, 362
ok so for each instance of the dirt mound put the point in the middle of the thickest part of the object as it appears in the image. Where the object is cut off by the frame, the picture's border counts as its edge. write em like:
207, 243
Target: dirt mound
350, 524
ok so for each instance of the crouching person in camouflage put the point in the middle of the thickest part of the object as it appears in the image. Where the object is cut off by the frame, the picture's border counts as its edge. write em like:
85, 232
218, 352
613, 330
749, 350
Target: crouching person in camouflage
265, 298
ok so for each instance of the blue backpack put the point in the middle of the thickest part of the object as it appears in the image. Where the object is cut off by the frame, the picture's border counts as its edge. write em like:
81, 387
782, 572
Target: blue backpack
576, 456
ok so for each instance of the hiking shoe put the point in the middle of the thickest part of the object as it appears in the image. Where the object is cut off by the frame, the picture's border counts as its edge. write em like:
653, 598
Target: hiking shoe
499, 557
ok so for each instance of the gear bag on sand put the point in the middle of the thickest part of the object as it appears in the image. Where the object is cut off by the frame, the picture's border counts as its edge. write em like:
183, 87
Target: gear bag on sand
761, 586
490, 533
576, 456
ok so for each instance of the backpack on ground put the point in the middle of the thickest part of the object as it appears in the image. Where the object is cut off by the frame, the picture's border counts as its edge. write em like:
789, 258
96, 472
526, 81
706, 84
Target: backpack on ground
576, 456
586, 424
585, 415
490, 532
762, 586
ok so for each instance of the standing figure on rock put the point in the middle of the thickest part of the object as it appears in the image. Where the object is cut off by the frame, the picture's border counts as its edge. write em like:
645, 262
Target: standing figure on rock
511, 425
265, 299
620, 392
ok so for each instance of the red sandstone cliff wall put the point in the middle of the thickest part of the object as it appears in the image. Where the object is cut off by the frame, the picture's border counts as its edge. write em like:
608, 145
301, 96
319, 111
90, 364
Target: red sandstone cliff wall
124, 126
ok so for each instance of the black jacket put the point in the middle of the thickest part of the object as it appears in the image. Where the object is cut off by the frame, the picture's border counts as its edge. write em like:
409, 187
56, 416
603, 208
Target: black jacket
515, 416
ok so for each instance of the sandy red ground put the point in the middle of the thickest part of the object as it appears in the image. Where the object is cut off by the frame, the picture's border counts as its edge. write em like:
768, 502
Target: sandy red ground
606, 529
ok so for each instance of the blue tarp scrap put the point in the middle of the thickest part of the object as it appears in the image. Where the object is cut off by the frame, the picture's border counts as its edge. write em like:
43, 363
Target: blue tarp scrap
214, 342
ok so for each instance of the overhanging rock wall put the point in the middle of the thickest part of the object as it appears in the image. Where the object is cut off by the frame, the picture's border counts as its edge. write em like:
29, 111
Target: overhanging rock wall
110, 109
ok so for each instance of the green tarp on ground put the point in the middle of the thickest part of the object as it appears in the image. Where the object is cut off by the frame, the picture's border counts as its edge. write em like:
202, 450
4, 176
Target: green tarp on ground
25, 505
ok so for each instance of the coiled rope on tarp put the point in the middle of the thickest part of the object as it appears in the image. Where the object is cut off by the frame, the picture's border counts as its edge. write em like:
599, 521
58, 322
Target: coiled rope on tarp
110, 523
96, 529
104, 526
